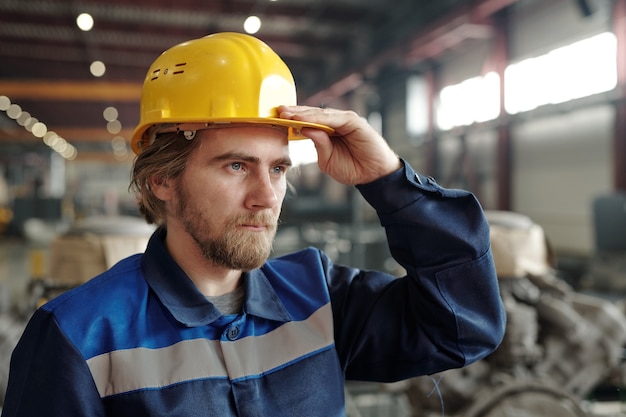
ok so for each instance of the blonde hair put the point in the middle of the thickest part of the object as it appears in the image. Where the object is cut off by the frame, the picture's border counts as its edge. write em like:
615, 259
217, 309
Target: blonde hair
164, 159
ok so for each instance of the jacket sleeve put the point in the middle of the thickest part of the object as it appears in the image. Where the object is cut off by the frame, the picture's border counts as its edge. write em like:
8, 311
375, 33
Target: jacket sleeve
48, 377
446, 313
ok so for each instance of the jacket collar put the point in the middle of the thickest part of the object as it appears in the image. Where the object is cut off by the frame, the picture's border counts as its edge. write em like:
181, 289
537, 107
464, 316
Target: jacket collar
187, 304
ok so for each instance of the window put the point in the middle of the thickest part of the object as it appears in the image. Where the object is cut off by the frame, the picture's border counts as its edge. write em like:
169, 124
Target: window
578, 70
473, 100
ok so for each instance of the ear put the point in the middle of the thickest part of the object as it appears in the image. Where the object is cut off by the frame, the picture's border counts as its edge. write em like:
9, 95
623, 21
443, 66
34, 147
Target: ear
162, 188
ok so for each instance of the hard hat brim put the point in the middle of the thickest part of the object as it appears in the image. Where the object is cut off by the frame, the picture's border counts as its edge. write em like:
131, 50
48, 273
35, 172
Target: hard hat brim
141, 138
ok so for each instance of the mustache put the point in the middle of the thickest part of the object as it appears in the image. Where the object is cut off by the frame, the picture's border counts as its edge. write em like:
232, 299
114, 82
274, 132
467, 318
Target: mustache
259, 219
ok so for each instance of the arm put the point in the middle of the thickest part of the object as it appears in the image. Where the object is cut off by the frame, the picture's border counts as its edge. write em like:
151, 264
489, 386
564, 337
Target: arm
48, 377
447, 311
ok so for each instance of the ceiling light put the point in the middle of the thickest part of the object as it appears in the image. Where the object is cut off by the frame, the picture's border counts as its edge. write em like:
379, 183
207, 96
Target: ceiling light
118, 144
84, 21
110, 114
252, 24
50, 137
114, 126
23, 118
30, 123
4, 103
39, 130
69, 153
60, 145
14, 111
97, 68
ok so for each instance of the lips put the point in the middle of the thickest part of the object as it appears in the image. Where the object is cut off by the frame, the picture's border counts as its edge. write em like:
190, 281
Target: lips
256, 226
259, 222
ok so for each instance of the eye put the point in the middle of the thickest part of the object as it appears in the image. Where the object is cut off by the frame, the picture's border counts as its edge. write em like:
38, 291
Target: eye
236, 166
279, 169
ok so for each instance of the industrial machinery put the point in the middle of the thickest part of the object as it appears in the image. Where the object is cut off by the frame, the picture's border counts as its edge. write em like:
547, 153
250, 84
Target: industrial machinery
607, 266
89, 247
559, 344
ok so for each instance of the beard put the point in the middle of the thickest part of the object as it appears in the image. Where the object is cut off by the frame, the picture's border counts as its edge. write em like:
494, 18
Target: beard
228, 245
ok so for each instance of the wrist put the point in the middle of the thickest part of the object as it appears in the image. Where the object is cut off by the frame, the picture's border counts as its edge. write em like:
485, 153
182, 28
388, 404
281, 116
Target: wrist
392, 165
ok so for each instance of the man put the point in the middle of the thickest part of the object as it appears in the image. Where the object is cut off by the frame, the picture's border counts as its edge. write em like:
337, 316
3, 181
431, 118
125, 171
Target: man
203, 324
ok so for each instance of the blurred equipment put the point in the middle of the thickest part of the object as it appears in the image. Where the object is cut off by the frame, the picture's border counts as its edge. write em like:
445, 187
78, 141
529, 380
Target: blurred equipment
94, 245
87, 249
559, 344
47, 210
90, 247
6, 214
607, 268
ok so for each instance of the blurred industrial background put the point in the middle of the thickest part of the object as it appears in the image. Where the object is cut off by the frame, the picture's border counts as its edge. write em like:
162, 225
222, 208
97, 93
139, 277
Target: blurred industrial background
522, 102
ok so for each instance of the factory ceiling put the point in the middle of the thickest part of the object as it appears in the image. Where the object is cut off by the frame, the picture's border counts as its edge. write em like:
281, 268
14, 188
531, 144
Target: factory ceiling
330, 46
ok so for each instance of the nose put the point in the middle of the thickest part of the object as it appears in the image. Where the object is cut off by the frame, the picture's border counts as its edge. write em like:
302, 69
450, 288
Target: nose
263, 193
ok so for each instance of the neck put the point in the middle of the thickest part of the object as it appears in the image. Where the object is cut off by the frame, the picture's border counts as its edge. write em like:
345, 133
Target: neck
211, 280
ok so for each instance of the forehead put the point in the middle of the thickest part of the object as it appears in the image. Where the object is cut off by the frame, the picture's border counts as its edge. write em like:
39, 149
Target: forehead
243, 138
253, 130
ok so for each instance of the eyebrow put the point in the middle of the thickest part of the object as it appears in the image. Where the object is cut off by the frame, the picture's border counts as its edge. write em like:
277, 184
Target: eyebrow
239, 156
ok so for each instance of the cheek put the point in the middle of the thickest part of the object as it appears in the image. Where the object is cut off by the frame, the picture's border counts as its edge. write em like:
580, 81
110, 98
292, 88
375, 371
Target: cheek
224, 195
281, 190
280, 194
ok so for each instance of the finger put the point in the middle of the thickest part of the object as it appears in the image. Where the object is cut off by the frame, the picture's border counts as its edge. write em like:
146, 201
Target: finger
321, 140
335, 119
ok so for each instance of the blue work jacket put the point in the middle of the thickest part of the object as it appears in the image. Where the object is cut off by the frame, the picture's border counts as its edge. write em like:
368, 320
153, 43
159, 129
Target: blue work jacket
141, 340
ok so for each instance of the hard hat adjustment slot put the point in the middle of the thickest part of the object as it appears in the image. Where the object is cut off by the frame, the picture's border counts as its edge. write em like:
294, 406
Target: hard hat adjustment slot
182, 64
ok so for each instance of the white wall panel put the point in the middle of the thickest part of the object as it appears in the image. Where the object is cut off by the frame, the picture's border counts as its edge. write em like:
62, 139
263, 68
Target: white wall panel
560, 164
538, 26
467, 62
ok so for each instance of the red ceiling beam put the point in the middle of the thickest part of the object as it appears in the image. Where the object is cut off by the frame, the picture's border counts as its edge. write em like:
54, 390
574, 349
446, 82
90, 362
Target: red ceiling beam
469, 22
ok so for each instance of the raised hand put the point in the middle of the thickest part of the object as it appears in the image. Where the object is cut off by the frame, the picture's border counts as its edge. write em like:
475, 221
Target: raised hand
355, 153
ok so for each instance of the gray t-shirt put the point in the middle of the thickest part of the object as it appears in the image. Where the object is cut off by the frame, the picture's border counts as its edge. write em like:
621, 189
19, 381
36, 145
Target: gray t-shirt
229, 303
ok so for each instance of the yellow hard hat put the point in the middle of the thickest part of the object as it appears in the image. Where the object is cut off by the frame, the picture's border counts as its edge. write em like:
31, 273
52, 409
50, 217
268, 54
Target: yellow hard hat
218, 79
